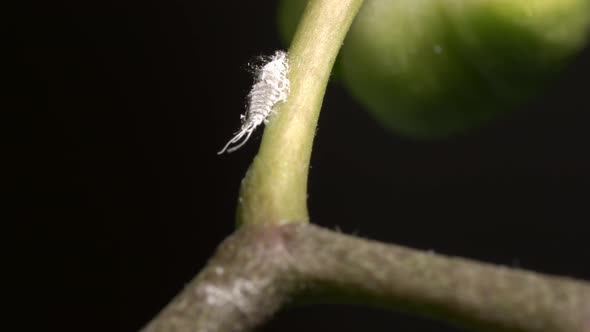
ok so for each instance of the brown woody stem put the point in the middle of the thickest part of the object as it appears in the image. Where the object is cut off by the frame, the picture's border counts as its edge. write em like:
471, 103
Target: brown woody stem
258, 268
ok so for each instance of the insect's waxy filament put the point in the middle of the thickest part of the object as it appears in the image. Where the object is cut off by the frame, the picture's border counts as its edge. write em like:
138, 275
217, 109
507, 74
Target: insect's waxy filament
246, 130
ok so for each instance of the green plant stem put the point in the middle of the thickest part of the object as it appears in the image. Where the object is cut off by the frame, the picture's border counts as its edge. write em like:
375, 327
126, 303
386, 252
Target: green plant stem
274, 190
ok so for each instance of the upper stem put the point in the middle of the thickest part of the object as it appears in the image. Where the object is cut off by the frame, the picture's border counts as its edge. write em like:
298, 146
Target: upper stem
274, 190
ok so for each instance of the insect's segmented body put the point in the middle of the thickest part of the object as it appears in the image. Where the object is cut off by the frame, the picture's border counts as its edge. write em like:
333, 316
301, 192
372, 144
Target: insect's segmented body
271, 87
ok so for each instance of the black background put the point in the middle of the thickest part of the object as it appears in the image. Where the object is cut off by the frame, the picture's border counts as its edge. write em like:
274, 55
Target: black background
122, 198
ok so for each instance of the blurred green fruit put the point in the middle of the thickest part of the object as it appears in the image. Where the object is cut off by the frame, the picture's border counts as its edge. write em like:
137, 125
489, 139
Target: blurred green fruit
431, 68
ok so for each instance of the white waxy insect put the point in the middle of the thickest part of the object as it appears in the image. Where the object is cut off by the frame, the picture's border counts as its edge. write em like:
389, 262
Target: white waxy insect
271, 86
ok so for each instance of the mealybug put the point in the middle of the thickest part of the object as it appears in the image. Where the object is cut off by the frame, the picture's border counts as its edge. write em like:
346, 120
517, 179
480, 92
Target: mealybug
271, 86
